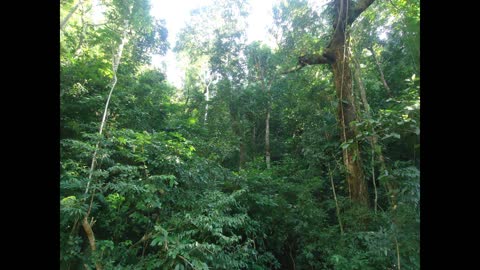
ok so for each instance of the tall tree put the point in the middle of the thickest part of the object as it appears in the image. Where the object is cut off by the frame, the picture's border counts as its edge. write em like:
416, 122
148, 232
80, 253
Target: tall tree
263, 66
219, 35
336, 55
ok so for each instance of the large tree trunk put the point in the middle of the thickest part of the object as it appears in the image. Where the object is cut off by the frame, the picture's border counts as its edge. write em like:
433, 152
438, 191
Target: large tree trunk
346, 115
346, 109
335, 55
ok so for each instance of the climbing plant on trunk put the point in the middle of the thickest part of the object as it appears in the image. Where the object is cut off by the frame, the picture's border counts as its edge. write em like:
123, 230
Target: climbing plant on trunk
336, 55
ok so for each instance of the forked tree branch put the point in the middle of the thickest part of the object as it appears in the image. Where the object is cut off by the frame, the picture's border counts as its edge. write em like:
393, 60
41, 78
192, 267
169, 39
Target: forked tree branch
328, 57
358, 9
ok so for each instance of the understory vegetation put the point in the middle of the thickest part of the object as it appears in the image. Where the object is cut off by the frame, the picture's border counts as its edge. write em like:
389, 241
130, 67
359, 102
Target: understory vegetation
302, 154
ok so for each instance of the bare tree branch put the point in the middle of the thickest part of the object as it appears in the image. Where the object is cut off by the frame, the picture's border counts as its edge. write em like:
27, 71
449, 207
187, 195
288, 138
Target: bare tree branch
294, 69
311, 59
65, 20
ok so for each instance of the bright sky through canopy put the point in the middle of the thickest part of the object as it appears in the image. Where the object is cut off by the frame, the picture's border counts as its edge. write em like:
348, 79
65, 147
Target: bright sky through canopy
176, 12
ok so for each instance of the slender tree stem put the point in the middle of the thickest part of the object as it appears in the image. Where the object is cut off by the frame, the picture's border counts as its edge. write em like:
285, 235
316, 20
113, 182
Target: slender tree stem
115, 62
291, 257
382, 76
65, 20
373, 179
336, 201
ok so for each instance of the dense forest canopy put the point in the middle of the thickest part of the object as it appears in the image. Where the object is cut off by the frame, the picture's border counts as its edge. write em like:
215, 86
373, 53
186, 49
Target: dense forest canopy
303, 154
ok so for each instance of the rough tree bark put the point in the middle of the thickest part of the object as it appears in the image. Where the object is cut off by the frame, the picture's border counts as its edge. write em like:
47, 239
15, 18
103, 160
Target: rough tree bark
346, 115
337, 57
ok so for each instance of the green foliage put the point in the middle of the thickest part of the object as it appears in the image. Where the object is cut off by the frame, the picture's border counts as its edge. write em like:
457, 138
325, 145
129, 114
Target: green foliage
157, 176
169, 190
